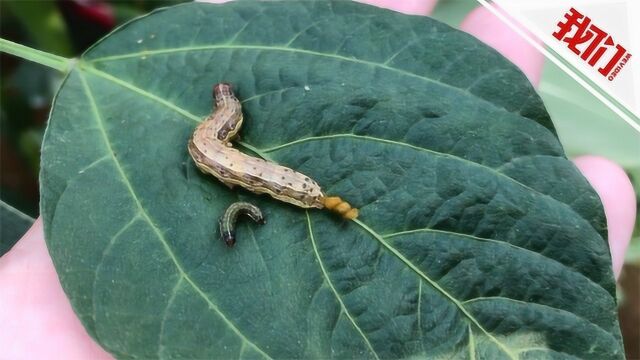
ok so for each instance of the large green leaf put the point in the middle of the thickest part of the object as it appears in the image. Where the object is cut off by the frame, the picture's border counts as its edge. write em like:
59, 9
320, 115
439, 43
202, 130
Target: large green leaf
477, 237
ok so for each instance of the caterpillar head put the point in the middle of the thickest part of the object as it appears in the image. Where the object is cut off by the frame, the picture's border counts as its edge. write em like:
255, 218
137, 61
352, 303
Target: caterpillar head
229, 239
222, 91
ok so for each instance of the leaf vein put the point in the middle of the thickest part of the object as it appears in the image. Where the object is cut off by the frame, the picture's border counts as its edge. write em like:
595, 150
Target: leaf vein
495, 241
174, 292
257, 96
141, 92
246, 24
335, 292
105, 251
436, 286
94, 163
472, 345
528, 303
420, 333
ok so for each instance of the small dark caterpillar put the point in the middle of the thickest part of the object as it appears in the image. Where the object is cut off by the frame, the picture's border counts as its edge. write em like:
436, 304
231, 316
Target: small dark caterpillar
228, 220
212, 151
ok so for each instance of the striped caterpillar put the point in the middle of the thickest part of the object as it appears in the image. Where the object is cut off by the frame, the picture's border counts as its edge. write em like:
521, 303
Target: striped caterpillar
228, 220
212, 151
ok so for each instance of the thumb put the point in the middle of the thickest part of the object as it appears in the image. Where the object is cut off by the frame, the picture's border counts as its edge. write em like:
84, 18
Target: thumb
37, 321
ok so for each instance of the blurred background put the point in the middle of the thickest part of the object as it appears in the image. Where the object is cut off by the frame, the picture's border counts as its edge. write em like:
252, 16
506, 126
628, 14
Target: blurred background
68, 27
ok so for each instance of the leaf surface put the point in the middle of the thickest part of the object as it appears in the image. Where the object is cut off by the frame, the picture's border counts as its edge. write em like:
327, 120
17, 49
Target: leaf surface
477, 237
13, 225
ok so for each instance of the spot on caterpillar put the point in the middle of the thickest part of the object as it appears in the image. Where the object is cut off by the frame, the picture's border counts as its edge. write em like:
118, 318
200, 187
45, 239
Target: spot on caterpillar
228, 220
212, 151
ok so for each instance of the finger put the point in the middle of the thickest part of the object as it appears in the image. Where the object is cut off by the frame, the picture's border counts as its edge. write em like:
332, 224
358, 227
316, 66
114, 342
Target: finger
489, 29
619, 201
412, 7
35, 309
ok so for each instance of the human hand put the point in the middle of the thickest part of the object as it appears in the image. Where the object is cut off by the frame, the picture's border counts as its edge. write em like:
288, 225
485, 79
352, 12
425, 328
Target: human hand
38, 321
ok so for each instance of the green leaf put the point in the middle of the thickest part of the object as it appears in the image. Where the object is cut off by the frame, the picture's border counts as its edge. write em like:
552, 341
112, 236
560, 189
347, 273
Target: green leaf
477, 237
13, 224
